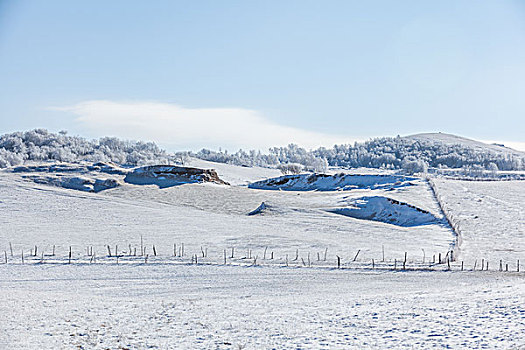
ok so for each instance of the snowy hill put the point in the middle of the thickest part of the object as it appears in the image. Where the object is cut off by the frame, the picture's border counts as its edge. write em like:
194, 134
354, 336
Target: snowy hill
449, 139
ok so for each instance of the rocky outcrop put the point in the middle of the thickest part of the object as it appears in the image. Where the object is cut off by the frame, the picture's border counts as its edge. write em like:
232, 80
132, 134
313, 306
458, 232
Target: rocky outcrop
170, 175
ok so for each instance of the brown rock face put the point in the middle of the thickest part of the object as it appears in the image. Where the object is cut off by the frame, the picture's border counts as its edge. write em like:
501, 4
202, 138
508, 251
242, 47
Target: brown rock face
178, 172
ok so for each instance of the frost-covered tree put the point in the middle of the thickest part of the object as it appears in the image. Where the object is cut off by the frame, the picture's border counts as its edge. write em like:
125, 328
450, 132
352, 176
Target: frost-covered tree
42, 145
388, 153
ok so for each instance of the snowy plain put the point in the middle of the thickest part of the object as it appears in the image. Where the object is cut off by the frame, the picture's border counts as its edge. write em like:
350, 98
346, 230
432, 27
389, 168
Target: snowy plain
293, 299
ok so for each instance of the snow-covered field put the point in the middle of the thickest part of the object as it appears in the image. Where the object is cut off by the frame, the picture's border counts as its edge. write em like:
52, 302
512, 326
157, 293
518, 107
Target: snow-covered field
208, 307
491, 218
291, 298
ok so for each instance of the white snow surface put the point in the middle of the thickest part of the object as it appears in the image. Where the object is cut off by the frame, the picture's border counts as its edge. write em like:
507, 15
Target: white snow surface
235, 175
102, 306
277, 291
490, 216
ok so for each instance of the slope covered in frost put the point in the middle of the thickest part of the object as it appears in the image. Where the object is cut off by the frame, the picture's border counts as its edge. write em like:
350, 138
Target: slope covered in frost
387, 210
325, 182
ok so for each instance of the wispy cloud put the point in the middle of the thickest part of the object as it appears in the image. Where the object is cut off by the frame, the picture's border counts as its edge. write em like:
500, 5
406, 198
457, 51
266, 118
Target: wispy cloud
178, 127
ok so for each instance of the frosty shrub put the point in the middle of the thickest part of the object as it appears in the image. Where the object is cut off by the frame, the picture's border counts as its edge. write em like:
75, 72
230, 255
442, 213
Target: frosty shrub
290, 168
415, 167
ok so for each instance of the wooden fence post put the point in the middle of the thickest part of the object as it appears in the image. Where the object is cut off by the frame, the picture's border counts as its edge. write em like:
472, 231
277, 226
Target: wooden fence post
355, 257
141, 246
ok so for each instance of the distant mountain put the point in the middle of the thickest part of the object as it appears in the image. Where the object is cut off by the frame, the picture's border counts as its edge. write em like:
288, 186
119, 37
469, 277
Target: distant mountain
449, 139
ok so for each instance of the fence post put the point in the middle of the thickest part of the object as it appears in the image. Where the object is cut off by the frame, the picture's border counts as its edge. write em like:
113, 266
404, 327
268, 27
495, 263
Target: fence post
141, 246
355, 257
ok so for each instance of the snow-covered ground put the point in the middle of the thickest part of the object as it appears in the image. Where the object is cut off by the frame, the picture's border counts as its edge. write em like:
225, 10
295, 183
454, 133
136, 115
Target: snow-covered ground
211, 216
209, 307
291, 298
490, 216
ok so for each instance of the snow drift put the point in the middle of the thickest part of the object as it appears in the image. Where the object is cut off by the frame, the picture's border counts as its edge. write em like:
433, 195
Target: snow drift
108, 168
80, 177
79, 183
387, 210
168, 175
267, 209
324, 182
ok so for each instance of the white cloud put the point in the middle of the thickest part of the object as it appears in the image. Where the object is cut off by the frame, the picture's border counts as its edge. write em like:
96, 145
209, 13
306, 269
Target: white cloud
177, 127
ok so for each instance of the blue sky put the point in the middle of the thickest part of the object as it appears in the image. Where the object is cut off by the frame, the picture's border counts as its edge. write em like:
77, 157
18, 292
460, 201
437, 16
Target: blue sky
251, 74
